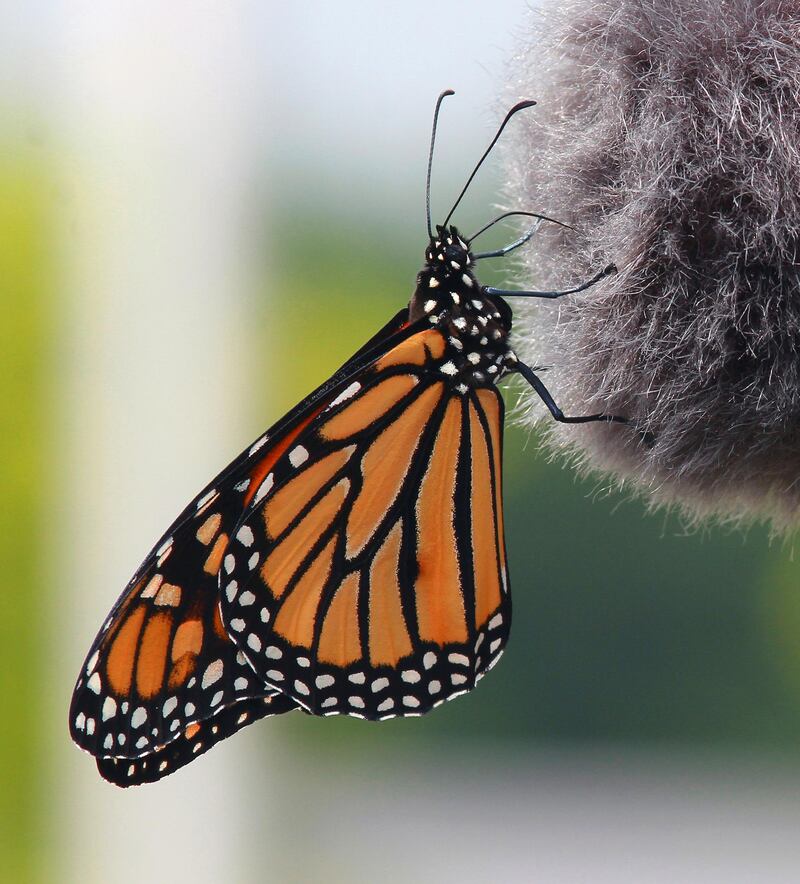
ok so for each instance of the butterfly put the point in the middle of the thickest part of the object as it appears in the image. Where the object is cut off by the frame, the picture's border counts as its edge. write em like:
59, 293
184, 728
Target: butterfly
351, 560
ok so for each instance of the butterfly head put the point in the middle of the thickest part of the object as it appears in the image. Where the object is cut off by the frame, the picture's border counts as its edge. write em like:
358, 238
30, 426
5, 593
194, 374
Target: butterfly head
448, 255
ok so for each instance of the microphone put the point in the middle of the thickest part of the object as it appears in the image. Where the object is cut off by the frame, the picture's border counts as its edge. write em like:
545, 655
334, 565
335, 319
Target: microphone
668, 133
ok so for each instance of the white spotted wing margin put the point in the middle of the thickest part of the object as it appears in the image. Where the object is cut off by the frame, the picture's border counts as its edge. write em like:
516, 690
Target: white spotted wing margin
370, 580
193, 742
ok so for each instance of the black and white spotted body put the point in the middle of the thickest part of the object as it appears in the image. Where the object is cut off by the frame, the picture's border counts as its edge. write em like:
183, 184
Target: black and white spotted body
476, 324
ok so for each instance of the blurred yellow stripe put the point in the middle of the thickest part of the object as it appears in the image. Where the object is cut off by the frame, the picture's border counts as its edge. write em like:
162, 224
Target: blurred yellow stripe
25, 477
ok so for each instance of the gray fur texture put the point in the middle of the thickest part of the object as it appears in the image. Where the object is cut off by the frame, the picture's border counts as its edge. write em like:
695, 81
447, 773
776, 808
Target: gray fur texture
668, 132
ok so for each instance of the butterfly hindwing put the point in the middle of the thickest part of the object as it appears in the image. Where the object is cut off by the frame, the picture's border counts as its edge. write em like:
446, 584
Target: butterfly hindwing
370, 578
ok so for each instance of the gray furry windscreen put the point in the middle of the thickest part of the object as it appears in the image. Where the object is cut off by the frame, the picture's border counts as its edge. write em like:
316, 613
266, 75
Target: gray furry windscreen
669, 134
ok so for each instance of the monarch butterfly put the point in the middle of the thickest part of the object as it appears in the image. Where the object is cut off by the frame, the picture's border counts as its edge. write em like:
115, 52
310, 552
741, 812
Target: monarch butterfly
351, 561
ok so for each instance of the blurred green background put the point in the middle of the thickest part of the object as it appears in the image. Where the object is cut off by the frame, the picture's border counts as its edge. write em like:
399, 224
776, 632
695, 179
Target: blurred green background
197, 226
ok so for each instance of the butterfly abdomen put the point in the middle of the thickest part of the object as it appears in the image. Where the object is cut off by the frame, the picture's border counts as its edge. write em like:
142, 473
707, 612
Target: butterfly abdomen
476, 326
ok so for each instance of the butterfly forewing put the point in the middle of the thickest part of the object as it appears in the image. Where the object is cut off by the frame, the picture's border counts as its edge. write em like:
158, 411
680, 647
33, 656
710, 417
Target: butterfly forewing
164, 664
369, 576
165, 661
194, 740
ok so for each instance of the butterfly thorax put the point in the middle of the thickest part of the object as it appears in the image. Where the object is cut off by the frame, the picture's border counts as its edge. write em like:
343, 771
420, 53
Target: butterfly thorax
476, 326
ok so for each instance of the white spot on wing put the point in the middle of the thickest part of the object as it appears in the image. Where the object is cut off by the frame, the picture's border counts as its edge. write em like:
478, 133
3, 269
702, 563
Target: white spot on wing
109, 708
245, 535
92, 662
206, 498
257, 444
298, 456
94, 683
169, 706
346, 394
212, 674
264, 488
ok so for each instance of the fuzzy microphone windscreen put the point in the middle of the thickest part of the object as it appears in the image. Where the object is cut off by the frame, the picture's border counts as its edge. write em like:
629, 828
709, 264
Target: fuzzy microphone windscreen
668, 133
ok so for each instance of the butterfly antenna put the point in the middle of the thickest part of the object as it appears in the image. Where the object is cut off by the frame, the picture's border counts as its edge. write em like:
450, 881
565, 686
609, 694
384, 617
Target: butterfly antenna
439, 101
512, 214
517, 107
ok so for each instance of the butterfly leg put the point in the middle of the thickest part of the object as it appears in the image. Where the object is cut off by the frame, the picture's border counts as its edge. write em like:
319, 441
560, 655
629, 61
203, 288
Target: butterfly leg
501, 253
606, 271
544, 394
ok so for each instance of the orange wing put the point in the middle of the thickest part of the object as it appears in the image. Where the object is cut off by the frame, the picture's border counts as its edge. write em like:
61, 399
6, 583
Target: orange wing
369, 576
